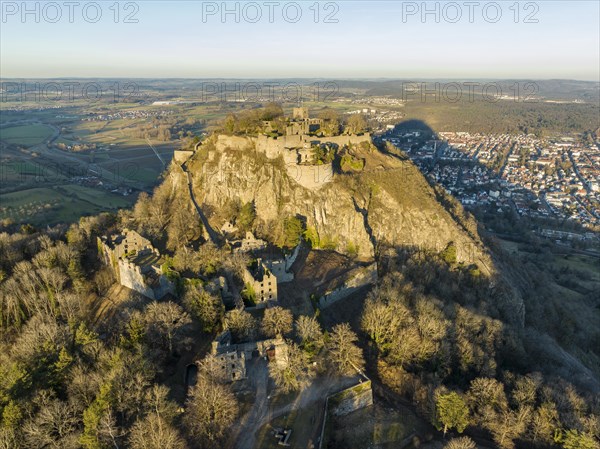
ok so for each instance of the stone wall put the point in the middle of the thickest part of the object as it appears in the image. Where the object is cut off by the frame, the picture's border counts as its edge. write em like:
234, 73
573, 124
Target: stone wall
351, 399
181, 156
357, 279
233, 142
289, 260
131, 276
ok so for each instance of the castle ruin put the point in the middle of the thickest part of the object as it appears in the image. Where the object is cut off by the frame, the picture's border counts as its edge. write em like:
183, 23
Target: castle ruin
296, 147
136, 263
262, 282
232, 358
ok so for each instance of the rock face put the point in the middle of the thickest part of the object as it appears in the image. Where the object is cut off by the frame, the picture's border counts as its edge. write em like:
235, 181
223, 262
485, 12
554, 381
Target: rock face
388, 202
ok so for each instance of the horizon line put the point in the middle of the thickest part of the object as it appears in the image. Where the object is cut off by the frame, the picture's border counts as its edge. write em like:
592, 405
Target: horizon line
373, 78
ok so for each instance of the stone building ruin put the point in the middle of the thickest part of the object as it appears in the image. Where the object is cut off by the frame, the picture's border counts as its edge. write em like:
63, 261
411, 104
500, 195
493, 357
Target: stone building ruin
263, 282
231, 358
136, 263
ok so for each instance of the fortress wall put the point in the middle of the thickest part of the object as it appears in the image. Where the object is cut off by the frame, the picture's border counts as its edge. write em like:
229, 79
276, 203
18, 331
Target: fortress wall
165, 287
181, 156
352, 399
271, 147
131, 277
237, 142
274, 147
293, 141
361, 277
345, 139
289, 260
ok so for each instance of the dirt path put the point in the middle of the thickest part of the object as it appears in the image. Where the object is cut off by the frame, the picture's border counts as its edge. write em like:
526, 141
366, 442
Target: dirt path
261, 413
214, 237
244, 435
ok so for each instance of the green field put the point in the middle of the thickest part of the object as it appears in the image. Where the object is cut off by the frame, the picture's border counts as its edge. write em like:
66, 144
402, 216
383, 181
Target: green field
18, 171
66, 203
27, 135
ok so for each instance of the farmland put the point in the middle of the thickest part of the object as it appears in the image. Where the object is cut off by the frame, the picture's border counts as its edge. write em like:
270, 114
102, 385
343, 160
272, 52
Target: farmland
61, 203
27, 135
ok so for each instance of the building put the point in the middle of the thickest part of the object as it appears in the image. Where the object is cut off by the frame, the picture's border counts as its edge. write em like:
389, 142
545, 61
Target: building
136, 263
263, 282
230, 359
230, 366
249, 243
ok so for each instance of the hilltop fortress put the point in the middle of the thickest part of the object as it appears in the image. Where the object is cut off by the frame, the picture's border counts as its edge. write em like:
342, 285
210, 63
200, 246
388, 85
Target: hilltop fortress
302, 136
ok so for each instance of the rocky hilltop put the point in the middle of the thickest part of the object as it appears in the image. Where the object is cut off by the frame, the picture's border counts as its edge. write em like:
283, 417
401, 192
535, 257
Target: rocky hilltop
350, 196
369, 199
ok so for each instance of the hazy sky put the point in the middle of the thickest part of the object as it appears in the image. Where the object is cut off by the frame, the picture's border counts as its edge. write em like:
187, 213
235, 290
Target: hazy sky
370, 39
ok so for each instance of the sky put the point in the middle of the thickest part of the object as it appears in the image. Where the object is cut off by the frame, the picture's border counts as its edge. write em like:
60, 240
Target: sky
280, 39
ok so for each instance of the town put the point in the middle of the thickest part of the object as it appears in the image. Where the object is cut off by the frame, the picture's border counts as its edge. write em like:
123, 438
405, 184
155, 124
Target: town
536, 177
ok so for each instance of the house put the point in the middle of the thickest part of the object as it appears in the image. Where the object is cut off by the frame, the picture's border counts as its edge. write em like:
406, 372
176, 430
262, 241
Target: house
230, 366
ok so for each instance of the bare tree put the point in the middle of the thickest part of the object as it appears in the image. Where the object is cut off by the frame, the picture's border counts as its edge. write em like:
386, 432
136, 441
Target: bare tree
356, 124
293, 373
13, 312
211, 409
55, 425
109, 433
184, 225
461, 443
157, 401
345, 356
544, 421
41, 336
277, 321
382, 321
166, 322
241, 324
153, 432
507, 425
308, 329
9, 439
486, 395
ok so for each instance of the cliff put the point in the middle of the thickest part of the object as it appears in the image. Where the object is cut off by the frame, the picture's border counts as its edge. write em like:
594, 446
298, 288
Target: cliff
388, 202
